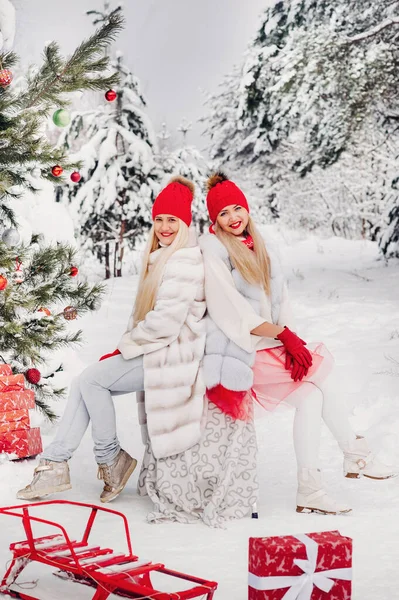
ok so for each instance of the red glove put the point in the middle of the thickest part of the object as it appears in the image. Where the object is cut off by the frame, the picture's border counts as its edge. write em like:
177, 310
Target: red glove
296, 354
114, 353
298, 372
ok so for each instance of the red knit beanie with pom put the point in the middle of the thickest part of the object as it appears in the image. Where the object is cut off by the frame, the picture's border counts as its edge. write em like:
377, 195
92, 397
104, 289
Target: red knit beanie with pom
175, 199
221, 193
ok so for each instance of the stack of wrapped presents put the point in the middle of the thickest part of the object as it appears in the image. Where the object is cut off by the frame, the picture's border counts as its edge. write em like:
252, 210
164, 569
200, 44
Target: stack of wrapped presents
17, 438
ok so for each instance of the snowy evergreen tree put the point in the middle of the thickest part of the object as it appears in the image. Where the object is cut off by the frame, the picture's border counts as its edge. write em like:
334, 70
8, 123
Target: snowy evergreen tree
188, 162
315, 72
119, 176
388, 231
317, 77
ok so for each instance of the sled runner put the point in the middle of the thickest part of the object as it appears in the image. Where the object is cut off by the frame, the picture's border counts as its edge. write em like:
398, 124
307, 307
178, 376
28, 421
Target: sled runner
109, 572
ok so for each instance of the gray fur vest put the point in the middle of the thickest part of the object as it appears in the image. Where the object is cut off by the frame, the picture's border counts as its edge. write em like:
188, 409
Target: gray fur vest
224, 362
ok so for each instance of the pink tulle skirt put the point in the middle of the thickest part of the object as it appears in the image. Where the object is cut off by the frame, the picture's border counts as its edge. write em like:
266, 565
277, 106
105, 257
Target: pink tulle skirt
272, 382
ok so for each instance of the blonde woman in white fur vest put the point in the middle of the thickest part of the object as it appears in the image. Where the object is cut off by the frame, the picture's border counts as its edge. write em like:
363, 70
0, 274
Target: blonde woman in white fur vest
160, 353
251, 354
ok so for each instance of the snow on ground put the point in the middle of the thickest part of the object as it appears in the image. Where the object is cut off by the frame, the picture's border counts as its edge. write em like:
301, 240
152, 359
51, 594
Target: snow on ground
343, 296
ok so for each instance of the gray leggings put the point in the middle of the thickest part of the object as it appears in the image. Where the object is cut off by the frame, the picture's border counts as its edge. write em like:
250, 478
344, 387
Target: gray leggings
90, 398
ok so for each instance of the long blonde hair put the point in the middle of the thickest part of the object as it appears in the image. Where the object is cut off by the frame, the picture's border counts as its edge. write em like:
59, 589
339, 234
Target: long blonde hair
254, 266
151, 278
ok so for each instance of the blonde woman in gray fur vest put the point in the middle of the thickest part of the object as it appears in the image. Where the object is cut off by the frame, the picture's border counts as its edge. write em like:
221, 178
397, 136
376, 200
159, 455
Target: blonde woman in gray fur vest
251, 353
160, 353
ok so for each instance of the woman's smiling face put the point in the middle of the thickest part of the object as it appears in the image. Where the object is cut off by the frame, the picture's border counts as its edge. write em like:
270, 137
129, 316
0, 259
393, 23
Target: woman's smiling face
166, 228
233, 219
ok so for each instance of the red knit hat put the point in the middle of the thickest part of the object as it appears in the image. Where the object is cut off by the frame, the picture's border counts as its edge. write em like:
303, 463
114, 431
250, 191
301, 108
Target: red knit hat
221, 193
175, 199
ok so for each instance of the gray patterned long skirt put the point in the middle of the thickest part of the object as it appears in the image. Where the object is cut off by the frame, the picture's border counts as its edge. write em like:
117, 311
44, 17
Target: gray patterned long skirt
214, 481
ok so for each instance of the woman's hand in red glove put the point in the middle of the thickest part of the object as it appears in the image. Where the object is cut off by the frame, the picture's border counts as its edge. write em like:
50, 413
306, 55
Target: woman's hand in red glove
295, 347
298, 372
114, 353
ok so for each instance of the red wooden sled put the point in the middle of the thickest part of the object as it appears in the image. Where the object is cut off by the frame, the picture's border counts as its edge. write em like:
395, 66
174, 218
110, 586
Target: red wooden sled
108, 572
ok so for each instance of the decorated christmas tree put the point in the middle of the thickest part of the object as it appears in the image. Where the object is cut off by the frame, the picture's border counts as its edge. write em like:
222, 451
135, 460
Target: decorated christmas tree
39, 292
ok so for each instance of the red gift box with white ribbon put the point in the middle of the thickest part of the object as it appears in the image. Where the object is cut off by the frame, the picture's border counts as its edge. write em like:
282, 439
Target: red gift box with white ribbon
21, 443
315, 566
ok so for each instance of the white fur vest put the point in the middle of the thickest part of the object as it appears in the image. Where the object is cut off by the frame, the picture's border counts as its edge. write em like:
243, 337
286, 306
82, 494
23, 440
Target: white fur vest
172, 339
225, 362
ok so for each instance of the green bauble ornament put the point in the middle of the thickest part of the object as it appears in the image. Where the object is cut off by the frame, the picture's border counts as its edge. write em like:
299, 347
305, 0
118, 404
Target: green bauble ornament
61, 117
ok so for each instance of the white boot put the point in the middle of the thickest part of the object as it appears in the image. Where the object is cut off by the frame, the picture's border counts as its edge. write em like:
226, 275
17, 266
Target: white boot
49, 477
360, 462
312, 497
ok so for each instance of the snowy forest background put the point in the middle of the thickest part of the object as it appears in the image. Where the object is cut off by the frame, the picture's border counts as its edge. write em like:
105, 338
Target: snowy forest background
307, 123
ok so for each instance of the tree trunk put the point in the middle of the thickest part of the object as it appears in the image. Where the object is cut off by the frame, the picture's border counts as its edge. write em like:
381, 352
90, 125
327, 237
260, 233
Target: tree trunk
107, 265
121, 248
116, 252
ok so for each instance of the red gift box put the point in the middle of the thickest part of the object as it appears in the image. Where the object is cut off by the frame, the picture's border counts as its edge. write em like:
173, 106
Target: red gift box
5, 369
315, 566
21, 443
14, 419
17, 400
12, 383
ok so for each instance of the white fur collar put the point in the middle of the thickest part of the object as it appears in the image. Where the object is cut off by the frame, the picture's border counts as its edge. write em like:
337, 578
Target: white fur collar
210, 243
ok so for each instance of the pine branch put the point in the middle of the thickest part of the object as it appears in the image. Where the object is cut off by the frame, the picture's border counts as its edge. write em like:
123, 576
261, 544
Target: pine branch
58, 76
45, 409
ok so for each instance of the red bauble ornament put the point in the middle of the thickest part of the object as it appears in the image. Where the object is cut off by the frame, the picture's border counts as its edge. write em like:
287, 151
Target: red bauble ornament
76, 176
33, 376
45, 310
74, 271
57, 171
5, 77
111, 95
3, 282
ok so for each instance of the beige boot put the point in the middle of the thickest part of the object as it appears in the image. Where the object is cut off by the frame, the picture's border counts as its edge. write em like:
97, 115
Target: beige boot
49, 477
116, 476
360, 462
312, 497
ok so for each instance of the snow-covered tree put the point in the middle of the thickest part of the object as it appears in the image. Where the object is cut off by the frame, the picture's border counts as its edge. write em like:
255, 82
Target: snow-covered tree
315, 73
317, 83
119, 176
349, 197
388, 232
187, 161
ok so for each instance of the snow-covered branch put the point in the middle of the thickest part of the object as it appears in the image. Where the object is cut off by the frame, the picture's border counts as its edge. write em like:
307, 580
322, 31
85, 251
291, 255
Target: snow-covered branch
373, 31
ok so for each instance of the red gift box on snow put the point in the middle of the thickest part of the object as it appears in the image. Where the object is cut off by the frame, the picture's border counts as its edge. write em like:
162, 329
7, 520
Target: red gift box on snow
23, 399
315, 566
22, 442
12, 383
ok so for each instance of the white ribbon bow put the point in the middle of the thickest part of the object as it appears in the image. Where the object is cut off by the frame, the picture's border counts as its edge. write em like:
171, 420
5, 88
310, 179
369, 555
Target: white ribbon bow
301, 586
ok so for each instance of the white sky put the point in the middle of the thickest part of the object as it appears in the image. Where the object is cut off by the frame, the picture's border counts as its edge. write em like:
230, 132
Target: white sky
178, 48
